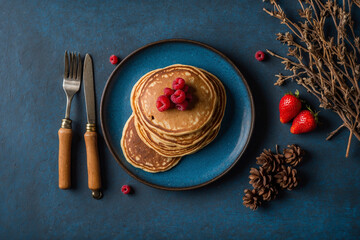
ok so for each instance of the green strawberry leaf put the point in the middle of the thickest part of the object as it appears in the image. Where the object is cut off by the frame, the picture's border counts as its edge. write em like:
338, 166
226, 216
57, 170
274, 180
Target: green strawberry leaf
315, 114
297, 93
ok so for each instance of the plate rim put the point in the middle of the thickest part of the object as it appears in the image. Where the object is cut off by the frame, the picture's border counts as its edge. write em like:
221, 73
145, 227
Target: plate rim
105, 131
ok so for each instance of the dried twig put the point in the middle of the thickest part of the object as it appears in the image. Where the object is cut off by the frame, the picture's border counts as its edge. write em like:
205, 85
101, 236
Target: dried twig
335, 132
327, 66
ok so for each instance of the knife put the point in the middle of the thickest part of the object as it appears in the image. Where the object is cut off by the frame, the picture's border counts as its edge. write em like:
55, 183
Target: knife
92, 153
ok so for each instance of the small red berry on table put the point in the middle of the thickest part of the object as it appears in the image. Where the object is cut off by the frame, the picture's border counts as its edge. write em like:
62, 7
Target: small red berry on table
113, 59
126, 189
260, 56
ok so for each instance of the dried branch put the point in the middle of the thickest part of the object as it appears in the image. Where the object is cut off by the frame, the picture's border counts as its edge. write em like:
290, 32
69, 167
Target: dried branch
327, 66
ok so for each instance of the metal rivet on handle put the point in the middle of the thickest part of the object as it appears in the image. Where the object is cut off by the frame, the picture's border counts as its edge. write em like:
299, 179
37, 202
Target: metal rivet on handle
97, 194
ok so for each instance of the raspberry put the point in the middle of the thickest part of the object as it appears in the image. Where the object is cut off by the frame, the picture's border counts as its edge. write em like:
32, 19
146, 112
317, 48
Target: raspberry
114, 59
126, 189
168, 92
260, 56
178, 83
185, 88
172, 105
182, 106
163, 103
189, 97
178, 96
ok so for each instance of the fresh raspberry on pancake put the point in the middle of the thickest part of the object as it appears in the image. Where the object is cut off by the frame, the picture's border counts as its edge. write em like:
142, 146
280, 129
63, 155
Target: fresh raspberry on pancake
168, 92
189, 97
178, 83
185, 88
172, 105
182, 106
178, 96
163, 103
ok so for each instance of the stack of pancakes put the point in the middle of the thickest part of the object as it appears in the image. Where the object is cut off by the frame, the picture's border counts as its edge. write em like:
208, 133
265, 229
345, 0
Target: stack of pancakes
155, 141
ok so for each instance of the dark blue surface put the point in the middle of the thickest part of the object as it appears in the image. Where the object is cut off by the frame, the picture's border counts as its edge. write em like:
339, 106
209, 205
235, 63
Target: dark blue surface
33, 38
207, 164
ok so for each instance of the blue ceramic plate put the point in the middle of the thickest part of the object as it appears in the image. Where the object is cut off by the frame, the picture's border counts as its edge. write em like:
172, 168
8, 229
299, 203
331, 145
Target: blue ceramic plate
215, 159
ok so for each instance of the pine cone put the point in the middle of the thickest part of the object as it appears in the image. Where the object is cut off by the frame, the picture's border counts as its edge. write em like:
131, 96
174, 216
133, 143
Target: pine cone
269, 193
259, 179
266, 160
286, 178
270, 161
293, 155
251, 199
280, 161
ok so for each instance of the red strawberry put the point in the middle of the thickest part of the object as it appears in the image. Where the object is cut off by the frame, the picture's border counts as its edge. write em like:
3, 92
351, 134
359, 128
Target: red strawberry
305, 121
289, 107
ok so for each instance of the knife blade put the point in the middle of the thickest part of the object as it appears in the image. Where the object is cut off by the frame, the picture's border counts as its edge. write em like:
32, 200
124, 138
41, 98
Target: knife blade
92, 153
88, 78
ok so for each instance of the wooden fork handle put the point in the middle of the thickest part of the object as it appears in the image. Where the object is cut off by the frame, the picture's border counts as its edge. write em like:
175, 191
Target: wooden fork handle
65, 136
93, 162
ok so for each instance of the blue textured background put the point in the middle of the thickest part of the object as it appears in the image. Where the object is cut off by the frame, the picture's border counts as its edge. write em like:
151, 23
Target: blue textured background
33, 38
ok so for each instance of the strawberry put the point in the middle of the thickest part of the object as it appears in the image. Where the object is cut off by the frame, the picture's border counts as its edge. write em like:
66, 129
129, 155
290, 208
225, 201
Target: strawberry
305, 121
289, 106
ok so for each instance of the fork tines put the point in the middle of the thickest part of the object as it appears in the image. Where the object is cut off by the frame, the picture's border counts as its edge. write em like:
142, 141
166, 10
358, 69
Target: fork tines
73, 65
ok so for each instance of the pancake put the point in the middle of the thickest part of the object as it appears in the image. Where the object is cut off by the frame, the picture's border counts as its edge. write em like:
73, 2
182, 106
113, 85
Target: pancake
186, 140
135, 89
176, 152
140, 155
155, 141
172, 121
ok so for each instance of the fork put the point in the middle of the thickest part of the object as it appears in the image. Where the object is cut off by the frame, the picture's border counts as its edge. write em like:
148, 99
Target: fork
71, 84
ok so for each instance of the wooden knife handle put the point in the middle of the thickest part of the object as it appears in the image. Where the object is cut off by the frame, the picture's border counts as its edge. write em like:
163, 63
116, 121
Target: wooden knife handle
93, 163
65, 136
